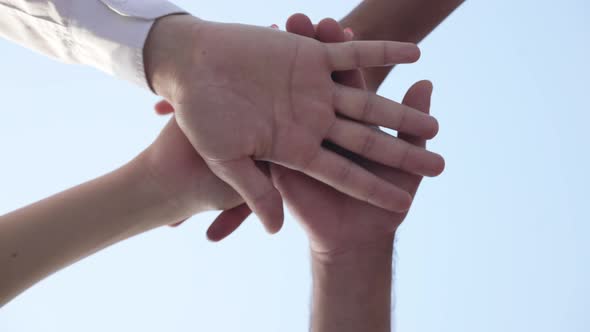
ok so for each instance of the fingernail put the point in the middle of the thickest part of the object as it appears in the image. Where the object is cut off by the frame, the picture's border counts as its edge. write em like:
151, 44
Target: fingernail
274, 26
349, 32
430, 85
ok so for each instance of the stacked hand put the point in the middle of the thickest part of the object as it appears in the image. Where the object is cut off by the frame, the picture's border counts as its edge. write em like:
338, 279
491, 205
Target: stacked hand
272, 98
335, 221
261, 115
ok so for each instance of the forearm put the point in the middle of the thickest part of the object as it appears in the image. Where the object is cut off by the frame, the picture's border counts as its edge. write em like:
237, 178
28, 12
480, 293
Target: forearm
352, 291
44, 237
399, 20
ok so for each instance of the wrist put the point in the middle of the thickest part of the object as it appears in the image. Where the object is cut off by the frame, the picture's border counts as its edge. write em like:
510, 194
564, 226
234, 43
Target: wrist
377, 251
352, 290
162, 201
334, 251
165, 47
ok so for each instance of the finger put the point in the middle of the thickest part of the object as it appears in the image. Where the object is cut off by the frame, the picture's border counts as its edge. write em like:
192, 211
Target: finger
227, 222
163, 107
367, 107
255, 187
330, 31
375, 145
363, 54
301, 25
418, 97
350, 178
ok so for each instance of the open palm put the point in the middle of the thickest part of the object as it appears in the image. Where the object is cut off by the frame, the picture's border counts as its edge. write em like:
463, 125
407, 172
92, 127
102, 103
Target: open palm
333, 220
272, 98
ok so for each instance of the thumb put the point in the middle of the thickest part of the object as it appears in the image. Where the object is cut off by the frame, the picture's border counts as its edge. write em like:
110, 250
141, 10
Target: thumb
417, 97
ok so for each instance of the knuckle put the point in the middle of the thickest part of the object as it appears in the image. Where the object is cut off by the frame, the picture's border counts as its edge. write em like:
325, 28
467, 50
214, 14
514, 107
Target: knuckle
371, 192
345, 170
406, 148
368, 142
356, 55
401, 123
367, 107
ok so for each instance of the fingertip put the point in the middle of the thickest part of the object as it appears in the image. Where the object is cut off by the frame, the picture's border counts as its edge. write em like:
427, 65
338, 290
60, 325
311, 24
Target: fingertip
349, 34
408, 52
214, 232
433, 128
414, 52
404, 203
275, 221
425, 87
300, 24
275, 227
298, 16
330, 31
439, 165
429, 85
330, 21
434, 166
269, 210
213, 238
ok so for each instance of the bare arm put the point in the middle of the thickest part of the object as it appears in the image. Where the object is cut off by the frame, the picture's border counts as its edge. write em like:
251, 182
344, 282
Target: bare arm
400, 20
351, 242
352, 247
352, 290
167, 183
44, 237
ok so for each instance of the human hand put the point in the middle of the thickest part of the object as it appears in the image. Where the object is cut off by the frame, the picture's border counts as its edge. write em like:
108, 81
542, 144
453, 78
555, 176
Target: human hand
401, 20
336, 222
183, 175
244, 93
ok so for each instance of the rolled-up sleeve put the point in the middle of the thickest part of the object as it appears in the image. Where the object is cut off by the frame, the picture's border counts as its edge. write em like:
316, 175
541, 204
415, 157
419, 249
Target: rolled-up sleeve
105, 34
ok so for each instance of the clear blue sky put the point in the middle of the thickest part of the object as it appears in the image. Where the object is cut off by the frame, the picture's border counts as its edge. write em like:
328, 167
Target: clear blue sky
498, 243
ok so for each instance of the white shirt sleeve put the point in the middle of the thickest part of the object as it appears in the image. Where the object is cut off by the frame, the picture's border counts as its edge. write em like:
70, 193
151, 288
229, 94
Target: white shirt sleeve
106, 34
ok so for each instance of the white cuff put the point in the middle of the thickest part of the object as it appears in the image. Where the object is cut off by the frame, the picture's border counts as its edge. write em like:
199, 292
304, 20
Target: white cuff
110, 34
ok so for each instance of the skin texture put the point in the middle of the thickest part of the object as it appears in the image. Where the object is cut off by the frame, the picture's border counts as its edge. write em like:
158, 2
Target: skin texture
268, 95
351, 241
402, 20
166, 183
349, 271
310, 199
170, 181
183, 176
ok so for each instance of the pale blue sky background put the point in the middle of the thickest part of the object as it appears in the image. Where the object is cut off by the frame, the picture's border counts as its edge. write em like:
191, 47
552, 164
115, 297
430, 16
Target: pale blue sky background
498, 243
